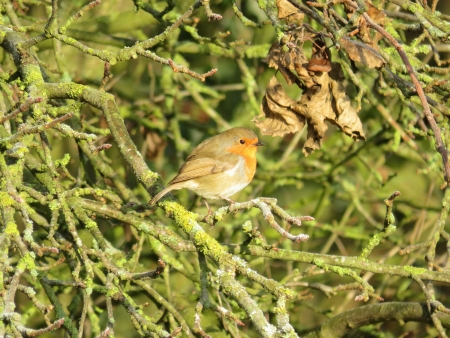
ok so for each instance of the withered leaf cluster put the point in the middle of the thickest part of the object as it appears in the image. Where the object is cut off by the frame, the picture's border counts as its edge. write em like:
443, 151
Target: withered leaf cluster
366, 51
289, 12
323, 99
360, 52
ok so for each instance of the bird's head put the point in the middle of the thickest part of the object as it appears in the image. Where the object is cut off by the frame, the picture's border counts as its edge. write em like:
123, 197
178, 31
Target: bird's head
241, 141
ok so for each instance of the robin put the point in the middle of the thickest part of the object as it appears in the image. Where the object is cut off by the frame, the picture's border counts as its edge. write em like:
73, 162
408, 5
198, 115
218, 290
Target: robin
218, 167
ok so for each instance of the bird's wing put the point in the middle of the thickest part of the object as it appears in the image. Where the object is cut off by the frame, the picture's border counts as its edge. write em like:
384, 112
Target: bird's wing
198, 167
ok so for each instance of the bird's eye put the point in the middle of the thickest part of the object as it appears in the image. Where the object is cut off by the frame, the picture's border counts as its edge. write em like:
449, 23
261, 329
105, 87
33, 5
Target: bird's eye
242, 141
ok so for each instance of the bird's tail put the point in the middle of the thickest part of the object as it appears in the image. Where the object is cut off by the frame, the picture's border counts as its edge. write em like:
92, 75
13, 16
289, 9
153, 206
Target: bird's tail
161, 194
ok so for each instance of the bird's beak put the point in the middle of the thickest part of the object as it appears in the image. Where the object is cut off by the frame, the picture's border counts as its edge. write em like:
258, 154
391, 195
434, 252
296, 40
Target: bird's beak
259, 144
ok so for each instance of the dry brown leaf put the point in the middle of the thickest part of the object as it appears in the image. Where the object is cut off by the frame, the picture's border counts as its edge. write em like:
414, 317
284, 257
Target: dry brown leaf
327, 101
323, 100
320, 58
285, 62
319, 65
379, 17
289, 12
276, 105
363, 30
349, 7
155, 145
374, 13
360, 52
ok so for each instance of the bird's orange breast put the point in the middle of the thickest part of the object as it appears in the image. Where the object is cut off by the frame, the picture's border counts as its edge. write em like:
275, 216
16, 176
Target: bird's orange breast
248, 152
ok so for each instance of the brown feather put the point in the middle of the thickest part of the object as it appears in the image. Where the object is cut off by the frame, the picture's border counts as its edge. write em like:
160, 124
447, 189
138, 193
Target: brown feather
199, 167
158, 196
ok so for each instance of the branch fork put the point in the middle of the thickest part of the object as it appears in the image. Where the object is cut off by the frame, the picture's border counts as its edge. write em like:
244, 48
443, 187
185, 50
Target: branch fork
269, 208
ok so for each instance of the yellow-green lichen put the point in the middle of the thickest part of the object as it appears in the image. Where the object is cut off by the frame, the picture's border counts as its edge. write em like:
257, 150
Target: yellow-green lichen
340, 271
90, 223
28, 235
112, 290
89, 285
318, 262
99, 192
27, 262
63, 162
54, 205
415, 271
31, 74
279, 310
11, 229
74, 90
209, 246
184, 218
149, 176
392, 30
413, 8
5, 199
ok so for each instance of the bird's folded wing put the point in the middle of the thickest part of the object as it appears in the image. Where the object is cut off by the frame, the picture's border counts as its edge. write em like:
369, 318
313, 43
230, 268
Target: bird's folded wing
202, 167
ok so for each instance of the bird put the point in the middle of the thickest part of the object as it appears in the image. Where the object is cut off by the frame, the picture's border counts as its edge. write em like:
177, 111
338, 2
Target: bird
218, 167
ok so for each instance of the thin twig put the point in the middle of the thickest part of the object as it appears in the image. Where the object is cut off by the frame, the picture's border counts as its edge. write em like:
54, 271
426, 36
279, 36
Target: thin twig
209, 13
78, 14
86, 300
22, 108
432, 306
35, 129
268, 208
107, 75
26, 332
439, 144
151, 274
